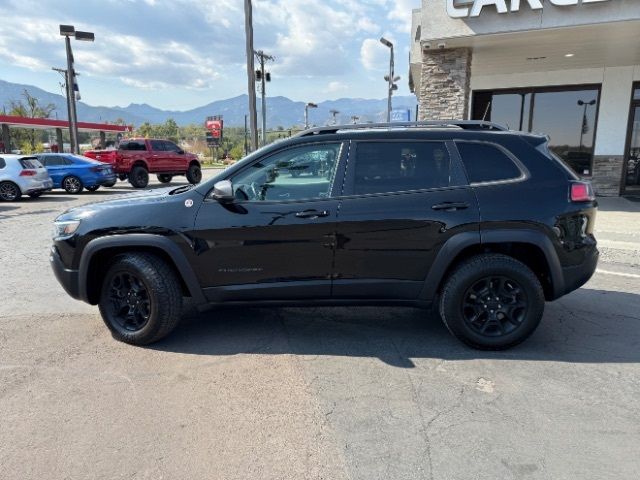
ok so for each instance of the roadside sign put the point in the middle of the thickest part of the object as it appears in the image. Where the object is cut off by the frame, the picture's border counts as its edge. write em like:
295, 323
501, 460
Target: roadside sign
401, 115
214, 126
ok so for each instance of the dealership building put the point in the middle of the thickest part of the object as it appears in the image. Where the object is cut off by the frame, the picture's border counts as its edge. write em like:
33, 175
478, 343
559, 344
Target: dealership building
566, 68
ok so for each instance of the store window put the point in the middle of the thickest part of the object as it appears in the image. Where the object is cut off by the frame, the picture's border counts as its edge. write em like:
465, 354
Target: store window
632, 167
567, 114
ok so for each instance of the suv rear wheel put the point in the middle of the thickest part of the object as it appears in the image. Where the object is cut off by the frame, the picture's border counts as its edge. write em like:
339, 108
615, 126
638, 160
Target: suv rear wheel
141, 299
492, 302
139, 177
194, 174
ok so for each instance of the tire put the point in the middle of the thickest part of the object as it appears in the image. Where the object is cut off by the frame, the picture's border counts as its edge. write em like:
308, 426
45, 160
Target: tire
72, 184
194, 174
492, 302
9, 192
93, 188
110, 184
139, 177
36, 194
164, 178
140, 299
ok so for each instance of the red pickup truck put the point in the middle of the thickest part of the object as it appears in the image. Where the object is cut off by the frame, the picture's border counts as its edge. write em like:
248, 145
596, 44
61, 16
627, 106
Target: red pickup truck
136, 158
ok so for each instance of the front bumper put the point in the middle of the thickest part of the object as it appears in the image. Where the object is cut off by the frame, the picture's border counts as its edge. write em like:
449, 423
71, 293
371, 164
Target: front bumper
69, 279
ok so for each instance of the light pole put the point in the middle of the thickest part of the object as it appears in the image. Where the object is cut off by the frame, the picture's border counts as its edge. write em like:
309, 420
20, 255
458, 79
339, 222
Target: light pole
334, 113
354, 119
263, 77
251, 87
306, 113
584, 126
68, 31
390, 78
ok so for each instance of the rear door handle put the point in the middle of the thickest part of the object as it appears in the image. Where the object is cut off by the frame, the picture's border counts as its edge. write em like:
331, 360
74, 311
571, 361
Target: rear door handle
450, 206
312, 214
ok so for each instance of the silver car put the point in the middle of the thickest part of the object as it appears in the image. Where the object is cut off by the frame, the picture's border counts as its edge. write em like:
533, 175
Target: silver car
22, 175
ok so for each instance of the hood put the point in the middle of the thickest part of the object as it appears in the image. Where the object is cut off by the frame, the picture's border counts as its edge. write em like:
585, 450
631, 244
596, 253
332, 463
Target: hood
134, 200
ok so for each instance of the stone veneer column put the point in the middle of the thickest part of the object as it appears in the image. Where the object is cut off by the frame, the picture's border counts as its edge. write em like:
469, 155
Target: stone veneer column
444, 84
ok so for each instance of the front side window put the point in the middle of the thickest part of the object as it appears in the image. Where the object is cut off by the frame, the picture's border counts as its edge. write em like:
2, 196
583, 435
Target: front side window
297, 173
486, 163
170, 147
157, 145
383, 167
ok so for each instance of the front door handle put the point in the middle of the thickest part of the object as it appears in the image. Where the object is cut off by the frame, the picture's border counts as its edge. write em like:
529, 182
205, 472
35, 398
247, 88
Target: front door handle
450, 206
312, 214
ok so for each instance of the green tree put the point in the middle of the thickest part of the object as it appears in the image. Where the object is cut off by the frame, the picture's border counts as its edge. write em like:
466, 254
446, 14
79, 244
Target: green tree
32, 108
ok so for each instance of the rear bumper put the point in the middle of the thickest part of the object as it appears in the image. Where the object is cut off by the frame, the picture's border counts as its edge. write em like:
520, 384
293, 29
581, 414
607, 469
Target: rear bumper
576, 276
69, 279
32, 186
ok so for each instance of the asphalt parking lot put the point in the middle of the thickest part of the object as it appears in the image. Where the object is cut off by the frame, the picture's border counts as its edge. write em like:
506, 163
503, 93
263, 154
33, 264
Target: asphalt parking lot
322, 393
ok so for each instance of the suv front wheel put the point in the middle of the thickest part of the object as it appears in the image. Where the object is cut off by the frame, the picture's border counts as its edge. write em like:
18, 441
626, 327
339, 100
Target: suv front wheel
141, 299
492, 302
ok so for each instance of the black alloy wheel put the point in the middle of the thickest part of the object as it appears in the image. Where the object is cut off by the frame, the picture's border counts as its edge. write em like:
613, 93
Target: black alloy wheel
194, 174
495, 306
9, 192
139, 177
129, 303
72, 184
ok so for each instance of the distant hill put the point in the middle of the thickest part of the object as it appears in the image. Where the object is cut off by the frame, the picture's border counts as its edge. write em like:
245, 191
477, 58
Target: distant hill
281, 111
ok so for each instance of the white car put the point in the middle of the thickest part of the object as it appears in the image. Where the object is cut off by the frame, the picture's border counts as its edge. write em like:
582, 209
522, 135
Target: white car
22, 175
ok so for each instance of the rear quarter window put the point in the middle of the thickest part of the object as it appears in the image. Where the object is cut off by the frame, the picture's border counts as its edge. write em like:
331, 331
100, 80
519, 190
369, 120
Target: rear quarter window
487, 163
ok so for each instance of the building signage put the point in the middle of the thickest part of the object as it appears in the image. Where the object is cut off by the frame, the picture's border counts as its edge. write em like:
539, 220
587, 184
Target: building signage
214, 126
473, 8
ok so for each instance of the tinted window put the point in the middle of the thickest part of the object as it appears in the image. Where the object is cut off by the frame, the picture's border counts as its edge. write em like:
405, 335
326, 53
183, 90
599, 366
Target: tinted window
157, 145
400, 166
170, 147
293, 174
53, 161
2, 163
139, 146
486, 163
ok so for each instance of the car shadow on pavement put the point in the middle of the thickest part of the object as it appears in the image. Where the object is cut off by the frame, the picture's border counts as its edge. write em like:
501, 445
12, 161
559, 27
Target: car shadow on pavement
588, 326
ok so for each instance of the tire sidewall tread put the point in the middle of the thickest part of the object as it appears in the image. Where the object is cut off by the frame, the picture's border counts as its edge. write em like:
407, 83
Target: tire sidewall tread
475, 268
164, 291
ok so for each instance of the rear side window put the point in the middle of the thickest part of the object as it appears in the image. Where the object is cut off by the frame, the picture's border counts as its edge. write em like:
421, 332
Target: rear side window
54, 161
383, 167
30, 163
486, 163
136, 146
2, 163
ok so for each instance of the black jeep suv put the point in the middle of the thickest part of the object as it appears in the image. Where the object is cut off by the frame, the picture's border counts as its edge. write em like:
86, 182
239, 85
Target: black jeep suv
484, 223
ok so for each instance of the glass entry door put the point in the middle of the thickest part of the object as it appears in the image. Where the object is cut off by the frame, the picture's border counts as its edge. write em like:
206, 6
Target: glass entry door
632, 170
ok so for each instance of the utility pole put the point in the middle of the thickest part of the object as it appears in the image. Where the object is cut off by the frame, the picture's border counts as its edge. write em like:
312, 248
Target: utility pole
251, 83
246, 144
71, 99
263, 77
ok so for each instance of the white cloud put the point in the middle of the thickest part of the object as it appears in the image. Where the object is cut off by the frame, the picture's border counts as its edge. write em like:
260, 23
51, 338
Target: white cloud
401, 14
335, 87
374, 55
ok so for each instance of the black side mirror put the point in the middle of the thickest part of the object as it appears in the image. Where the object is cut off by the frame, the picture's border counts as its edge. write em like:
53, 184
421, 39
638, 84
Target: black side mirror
180, 151
223, 191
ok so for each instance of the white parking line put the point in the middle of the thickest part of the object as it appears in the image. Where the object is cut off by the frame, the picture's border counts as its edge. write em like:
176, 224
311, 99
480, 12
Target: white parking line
618, 274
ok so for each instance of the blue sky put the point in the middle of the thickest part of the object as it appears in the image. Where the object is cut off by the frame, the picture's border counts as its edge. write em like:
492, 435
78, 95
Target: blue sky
180, 54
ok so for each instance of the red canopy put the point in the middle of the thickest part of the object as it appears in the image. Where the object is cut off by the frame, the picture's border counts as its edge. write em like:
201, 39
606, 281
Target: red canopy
47, 123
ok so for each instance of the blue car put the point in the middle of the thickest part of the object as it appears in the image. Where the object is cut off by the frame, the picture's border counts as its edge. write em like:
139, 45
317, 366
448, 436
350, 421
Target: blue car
75, 173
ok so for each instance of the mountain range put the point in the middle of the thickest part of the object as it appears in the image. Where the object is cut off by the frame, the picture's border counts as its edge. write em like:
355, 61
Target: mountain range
281, 111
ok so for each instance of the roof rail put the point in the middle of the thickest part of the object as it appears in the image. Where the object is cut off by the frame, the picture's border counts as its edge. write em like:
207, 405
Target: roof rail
462, 124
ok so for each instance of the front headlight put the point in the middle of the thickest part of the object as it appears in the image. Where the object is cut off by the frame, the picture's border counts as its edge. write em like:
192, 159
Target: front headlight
64, 229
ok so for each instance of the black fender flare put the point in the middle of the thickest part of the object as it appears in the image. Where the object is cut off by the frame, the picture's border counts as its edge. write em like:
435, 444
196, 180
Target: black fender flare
457, 243
139, 240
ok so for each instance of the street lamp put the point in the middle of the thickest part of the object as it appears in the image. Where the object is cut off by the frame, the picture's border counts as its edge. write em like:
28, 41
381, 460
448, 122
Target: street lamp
68, 31
585, 126
306, 113
334, 113
390, 77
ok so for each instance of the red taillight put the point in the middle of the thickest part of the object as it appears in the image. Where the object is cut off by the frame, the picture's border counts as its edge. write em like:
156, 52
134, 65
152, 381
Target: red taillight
28, 173
582, 192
